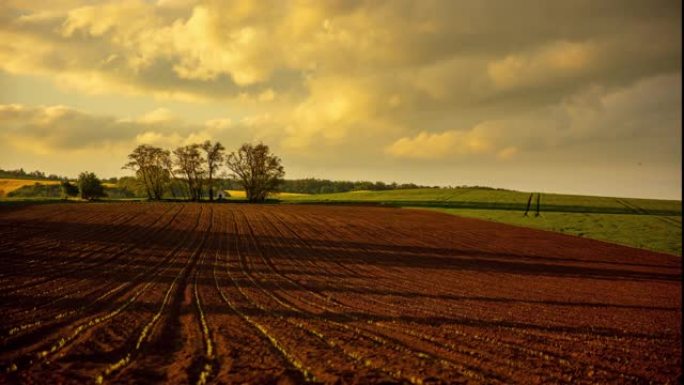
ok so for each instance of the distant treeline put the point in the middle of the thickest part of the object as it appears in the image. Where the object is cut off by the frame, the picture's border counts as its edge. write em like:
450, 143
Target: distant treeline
21, 174
325, 186
301, 186
40, 190
129, 187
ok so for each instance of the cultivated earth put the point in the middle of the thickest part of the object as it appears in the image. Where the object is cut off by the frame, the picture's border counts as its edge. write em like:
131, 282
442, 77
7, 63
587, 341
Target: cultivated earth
285, 294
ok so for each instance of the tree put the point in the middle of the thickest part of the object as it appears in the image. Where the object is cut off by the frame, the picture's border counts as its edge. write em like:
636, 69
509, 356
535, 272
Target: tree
259, 172
214, 157
90, 186
190, 164
151, 167
68, 189
130, 185
168, 165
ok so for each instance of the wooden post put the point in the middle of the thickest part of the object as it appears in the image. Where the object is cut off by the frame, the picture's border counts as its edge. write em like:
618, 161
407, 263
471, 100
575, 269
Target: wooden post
529, 202
538, 199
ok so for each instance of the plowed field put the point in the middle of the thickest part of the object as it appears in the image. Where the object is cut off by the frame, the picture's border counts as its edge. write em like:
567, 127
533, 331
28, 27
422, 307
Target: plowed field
232, 294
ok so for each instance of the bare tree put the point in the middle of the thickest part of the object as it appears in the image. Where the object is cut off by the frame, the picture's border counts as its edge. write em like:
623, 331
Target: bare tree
259, 171
214, 156
150, 166
168, 165
191, 165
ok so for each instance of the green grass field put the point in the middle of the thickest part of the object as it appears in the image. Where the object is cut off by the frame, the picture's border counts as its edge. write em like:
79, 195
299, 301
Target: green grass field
645, 223
652, 232
478, 198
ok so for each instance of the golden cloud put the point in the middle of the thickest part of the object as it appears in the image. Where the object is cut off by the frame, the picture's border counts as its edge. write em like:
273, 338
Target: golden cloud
444, 144
555, 62
60, 129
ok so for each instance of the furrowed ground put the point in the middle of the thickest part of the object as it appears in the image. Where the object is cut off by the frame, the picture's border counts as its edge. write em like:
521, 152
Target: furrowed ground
231, 293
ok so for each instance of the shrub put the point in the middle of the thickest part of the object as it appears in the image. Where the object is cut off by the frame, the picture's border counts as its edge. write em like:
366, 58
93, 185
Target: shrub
90, 186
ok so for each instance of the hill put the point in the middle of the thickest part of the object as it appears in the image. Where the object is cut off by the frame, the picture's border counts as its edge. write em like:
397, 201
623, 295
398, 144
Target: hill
11, 184
487, 198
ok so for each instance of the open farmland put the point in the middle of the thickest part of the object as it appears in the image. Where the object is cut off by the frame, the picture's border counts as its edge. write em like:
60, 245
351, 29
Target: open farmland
232, 293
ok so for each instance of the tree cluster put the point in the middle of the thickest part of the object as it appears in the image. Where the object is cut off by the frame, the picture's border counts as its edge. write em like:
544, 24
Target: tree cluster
193, 171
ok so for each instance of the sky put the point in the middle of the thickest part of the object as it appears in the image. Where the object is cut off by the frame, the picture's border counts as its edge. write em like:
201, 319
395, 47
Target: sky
577, 96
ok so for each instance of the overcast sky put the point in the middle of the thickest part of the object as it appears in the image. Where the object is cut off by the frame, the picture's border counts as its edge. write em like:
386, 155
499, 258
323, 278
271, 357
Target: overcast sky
552, 96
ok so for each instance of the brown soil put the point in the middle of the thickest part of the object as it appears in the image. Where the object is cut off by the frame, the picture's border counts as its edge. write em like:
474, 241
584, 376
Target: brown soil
234, 294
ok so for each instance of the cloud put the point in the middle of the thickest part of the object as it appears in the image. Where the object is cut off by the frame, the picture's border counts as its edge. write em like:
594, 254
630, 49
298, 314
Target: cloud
217, 50
617, 119
58, 129
159, 115
558, 62
507, 153
218, 124
439, 145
